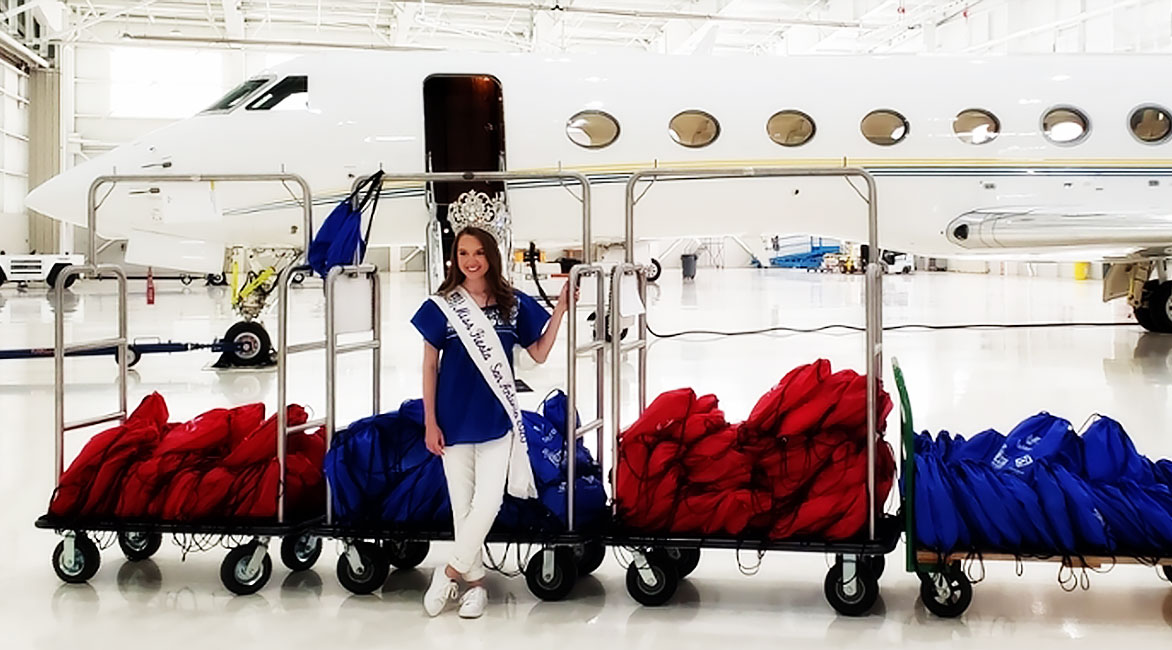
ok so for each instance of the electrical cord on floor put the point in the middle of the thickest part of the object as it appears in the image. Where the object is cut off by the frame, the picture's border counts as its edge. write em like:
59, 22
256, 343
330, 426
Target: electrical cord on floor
889, 328
532, 255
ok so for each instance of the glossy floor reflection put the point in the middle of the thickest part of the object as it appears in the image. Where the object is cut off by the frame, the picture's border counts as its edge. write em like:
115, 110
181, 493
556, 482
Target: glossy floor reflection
963, 381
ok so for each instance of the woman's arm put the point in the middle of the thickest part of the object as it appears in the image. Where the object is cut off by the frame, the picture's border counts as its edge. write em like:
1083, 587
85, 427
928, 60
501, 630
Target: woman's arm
434, 438
540, 350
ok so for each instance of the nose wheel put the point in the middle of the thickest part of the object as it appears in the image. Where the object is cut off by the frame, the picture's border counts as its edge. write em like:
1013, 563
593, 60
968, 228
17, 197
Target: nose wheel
246, 345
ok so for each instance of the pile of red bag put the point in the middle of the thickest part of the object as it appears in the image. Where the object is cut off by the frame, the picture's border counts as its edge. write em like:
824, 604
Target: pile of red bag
221, 466
796, 468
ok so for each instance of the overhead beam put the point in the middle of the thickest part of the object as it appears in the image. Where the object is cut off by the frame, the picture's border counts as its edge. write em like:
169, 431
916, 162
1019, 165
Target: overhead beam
233, 19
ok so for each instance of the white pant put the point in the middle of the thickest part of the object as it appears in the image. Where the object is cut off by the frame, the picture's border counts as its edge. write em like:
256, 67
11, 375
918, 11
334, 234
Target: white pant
476, 476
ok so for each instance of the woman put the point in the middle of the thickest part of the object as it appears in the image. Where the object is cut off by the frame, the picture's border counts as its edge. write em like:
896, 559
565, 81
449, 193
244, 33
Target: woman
471, 416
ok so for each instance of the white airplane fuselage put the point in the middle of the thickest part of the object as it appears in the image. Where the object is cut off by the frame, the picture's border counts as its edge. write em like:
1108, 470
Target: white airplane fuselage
1108, 195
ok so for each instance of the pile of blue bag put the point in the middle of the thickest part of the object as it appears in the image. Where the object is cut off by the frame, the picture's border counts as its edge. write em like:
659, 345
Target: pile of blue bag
381, 474
1042, 490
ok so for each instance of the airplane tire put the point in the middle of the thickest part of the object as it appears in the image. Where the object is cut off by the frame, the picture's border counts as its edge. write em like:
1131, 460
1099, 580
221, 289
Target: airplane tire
1155, 311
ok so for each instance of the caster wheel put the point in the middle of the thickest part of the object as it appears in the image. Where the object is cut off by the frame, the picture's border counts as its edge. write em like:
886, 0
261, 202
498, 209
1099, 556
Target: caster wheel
851, 602
138, 546
654, 270
589, 556
406, 554
686, 560
186, 279
234, 571
665, 583
371, 576
947, 594
84, 563
560, 582
300, 553
216, 279
298, 278
246, 344
877, 563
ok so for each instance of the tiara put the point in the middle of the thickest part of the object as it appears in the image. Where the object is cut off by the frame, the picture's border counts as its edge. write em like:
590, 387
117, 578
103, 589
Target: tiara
476, 209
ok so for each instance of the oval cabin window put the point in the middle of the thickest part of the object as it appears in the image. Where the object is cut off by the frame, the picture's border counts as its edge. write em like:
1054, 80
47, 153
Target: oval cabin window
884, 127
694, 129
1065, 126
592, 129
790, 128
976, 126
1151, 124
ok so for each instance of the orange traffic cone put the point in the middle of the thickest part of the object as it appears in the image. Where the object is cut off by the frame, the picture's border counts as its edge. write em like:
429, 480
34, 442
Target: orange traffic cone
150, 286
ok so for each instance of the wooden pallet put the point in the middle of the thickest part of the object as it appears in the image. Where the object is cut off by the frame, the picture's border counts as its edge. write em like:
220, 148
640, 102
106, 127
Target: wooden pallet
931, 558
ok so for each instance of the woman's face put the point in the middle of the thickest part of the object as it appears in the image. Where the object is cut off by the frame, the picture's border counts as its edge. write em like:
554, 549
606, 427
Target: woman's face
471, 258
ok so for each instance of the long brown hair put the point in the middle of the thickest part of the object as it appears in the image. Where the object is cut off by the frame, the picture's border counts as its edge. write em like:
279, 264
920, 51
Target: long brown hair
498, 285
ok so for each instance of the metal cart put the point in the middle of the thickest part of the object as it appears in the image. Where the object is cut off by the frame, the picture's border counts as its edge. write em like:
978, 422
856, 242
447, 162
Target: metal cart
945, 588
371, 549
660, 561
247, 567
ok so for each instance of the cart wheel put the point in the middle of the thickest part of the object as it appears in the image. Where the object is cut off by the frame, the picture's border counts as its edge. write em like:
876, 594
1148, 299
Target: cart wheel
186, 279
655, 270
561, 580
403, 554
877, 563
300, 553
952, 599
686, 560
590, 556
216, 279
298, 278
84, 563
865, 594
373, 573
246, 344
137, 546
133, 356
667, 580
234, 571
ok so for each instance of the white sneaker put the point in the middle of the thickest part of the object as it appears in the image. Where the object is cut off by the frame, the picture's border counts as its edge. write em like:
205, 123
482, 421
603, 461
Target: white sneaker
442, 591
473, 603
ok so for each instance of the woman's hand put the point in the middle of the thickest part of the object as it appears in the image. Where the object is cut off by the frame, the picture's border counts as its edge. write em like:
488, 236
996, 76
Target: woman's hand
564, 297
434, 439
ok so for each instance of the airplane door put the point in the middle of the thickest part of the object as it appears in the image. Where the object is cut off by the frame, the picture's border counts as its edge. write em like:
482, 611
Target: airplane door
464, 129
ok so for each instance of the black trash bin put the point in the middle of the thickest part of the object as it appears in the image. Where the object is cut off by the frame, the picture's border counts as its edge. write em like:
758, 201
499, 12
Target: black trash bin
688, 261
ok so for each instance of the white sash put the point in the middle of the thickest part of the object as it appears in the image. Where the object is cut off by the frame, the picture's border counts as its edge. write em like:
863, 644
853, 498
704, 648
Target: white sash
484, 347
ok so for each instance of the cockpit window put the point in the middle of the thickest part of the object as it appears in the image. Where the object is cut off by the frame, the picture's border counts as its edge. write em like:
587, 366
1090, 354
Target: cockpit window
291, 93
237, 95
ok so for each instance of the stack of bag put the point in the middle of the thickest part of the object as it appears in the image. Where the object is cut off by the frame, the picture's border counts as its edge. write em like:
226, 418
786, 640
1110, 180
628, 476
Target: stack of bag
1042, 490
221, 466
381, 474
796, 468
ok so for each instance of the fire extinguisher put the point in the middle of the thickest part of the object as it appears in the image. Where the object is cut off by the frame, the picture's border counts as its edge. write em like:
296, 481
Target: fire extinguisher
150, 286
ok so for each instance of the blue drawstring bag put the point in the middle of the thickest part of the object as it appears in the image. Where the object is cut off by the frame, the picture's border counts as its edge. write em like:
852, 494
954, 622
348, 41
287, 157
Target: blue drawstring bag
1042, 436
982, 448
1054, 507
1120, 517
1111, 456
1089, 527
340, 240
1035, 527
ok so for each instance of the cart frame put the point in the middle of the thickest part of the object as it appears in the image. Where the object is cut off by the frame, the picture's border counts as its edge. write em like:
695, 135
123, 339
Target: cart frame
651, 577
363, 565
945, 588
247, 567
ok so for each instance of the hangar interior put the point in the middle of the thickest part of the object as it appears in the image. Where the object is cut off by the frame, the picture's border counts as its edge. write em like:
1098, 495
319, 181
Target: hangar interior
1014, 156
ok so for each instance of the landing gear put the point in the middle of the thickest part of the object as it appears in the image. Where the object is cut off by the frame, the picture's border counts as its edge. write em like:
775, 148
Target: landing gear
246, 344
1154, 312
